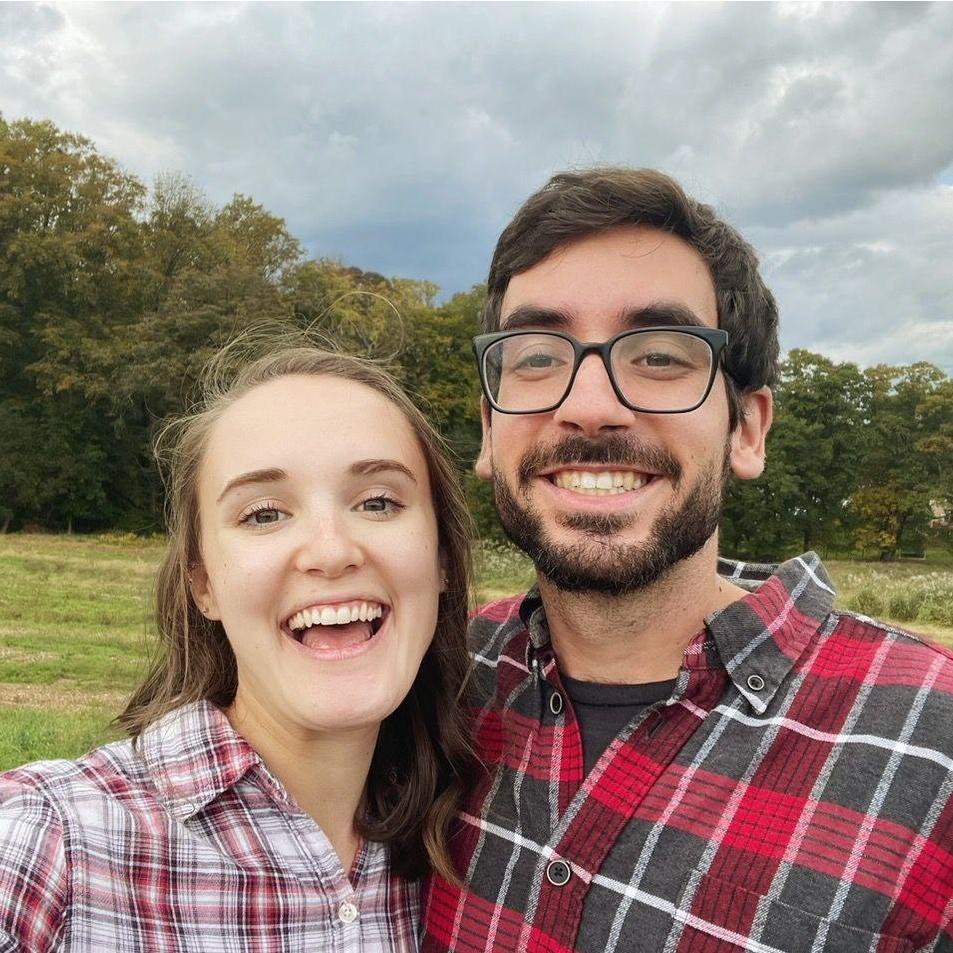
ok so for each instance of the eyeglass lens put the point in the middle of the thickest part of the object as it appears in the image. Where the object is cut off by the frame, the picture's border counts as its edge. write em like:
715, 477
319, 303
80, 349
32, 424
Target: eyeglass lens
655, 370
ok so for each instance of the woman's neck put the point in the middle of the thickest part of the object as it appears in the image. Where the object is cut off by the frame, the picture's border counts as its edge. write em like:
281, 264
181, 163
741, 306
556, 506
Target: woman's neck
325, 773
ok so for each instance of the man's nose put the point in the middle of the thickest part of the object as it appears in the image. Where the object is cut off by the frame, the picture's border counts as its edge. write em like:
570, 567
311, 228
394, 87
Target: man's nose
327, 546
591, 404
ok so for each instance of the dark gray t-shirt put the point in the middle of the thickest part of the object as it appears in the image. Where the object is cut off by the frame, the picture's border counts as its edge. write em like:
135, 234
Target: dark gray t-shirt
604, 710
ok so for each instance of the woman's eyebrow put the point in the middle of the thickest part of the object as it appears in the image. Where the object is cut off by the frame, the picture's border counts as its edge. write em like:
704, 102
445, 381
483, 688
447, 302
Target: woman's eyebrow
366, 467
269, 475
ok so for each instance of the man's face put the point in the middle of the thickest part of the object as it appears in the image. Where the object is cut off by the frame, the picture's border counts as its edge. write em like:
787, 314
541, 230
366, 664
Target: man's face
551, 470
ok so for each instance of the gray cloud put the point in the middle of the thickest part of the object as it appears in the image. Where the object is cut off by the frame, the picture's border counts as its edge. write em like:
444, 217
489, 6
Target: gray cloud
402, 137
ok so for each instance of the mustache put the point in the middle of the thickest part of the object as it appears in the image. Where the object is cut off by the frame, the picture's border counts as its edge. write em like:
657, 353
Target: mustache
629, 452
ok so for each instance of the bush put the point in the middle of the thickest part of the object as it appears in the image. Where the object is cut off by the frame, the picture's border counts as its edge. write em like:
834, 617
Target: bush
867, 601
904, 604
937, 607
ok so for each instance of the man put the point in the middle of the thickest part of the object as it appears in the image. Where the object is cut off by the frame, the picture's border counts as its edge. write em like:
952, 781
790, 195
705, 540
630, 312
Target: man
675, 763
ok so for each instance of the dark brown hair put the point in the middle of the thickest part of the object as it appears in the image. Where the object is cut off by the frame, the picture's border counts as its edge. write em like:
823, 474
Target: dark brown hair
572, 205
423, 759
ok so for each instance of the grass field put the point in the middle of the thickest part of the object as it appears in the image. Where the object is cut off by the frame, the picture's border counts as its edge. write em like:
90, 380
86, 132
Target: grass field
74, 609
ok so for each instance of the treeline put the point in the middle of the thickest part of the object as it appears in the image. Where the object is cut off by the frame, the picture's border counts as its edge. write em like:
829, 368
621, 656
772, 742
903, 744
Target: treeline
113, 296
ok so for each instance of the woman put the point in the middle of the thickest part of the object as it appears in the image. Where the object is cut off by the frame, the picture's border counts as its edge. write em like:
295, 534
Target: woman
296, 753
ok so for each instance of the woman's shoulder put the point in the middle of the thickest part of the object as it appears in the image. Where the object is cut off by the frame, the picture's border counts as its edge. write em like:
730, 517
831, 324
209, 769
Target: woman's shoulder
109, 769
125, 774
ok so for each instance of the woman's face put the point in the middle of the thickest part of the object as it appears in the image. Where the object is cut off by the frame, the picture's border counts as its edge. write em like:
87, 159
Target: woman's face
319, 552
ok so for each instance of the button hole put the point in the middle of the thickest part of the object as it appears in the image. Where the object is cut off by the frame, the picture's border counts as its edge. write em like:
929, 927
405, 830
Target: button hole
657, 727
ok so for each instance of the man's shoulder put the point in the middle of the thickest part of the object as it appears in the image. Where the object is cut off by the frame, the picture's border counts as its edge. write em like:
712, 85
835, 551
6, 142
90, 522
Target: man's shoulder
902, 673
898, 647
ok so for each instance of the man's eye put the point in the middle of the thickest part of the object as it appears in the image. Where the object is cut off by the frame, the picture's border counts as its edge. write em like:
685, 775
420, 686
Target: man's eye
536, 361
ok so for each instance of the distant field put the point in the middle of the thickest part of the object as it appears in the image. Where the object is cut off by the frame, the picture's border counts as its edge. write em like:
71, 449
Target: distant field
74, 609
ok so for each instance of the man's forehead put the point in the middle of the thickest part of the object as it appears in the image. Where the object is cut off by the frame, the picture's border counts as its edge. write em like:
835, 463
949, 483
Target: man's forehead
610, 276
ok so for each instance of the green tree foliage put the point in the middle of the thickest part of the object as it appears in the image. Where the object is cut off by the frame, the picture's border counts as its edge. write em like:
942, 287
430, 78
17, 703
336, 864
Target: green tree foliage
70, 255
856, 460
908, 458
813, 451
113, 297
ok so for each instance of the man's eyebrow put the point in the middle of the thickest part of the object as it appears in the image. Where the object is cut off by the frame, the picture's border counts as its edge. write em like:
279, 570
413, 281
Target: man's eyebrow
662, 313
269, 475
530, 316
369, 467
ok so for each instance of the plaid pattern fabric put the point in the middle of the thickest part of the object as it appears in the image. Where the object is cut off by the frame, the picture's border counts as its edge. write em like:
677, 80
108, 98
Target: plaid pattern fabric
794, 794
188, 845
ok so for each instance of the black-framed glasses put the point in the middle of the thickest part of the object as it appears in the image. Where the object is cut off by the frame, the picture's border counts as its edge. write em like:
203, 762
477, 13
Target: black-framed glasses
658, 370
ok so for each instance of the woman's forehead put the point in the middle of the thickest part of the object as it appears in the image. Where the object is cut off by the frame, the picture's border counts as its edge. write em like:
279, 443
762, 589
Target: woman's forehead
311, 421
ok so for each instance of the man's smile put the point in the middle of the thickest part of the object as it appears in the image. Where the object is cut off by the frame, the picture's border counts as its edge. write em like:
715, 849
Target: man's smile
598, 481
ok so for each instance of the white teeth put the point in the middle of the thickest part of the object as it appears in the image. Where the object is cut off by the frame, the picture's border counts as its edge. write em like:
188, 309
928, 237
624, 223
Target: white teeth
335, 615
599, 483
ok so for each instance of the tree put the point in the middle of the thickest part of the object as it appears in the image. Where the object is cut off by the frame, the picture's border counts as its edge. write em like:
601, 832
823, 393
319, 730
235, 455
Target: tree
69, 257
906, 464
801, 501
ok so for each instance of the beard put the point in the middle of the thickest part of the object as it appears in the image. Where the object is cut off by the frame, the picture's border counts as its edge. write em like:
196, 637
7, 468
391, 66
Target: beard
597, 563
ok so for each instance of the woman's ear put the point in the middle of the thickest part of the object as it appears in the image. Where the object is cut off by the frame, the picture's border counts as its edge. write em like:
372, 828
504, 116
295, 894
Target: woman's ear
203, 594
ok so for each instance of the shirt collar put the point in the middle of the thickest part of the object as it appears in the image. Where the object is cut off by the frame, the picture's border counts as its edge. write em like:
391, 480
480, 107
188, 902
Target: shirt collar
193, 755
759, 637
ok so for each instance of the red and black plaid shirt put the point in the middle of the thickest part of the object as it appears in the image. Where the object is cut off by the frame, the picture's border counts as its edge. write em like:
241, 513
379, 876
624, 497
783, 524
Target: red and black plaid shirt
794, 793
187, 845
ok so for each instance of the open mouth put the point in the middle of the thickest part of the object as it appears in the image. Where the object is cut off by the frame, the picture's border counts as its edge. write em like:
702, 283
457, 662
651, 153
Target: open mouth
599, 482
336, 627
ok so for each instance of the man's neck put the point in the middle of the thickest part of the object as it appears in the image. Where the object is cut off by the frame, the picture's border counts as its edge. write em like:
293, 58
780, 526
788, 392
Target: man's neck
639, 637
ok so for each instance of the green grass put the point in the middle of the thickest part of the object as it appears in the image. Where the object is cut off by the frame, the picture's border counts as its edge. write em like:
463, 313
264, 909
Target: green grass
73, 639
74, 623
35, 734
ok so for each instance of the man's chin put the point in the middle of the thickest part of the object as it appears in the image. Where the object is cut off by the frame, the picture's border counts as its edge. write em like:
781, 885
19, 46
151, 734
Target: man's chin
604, 569
584, 554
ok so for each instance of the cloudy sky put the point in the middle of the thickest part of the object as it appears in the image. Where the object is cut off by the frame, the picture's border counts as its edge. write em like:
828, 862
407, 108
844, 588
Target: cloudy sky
401, 138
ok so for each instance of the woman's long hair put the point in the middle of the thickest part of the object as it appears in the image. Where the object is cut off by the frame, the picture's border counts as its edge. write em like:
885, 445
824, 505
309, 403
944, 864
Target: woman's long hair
423, 760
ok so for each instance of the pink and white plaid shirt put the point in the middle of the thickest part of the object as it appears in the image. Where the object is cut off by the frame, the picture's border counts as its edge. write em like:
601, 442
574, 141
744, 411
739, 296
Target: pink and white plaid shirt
189, 844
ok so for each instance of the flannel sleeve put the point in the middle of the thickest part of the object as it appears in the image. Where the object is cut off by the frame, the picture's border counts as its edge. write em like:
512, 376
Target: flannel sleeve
33, 876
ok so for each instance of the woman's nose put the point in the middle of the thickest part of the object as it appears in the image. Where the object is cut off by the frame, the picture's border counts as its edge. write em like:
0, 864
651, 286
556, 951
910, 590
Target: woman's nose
327, 546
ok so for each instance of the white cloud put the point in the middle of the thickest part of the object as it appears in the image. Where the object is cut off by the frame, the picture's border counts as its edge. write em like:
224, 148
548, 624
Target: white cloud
401, 137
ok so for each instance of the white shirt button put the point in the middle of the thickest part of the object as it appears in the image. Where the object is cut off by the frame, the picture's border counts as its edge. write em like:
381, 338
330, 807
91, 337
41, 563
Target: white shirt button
347, 912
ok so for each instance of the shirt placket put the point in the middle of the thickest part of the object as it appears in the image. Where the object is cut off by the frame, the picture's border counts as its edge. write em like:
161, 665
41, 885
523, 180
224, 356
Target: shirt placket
592, 820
